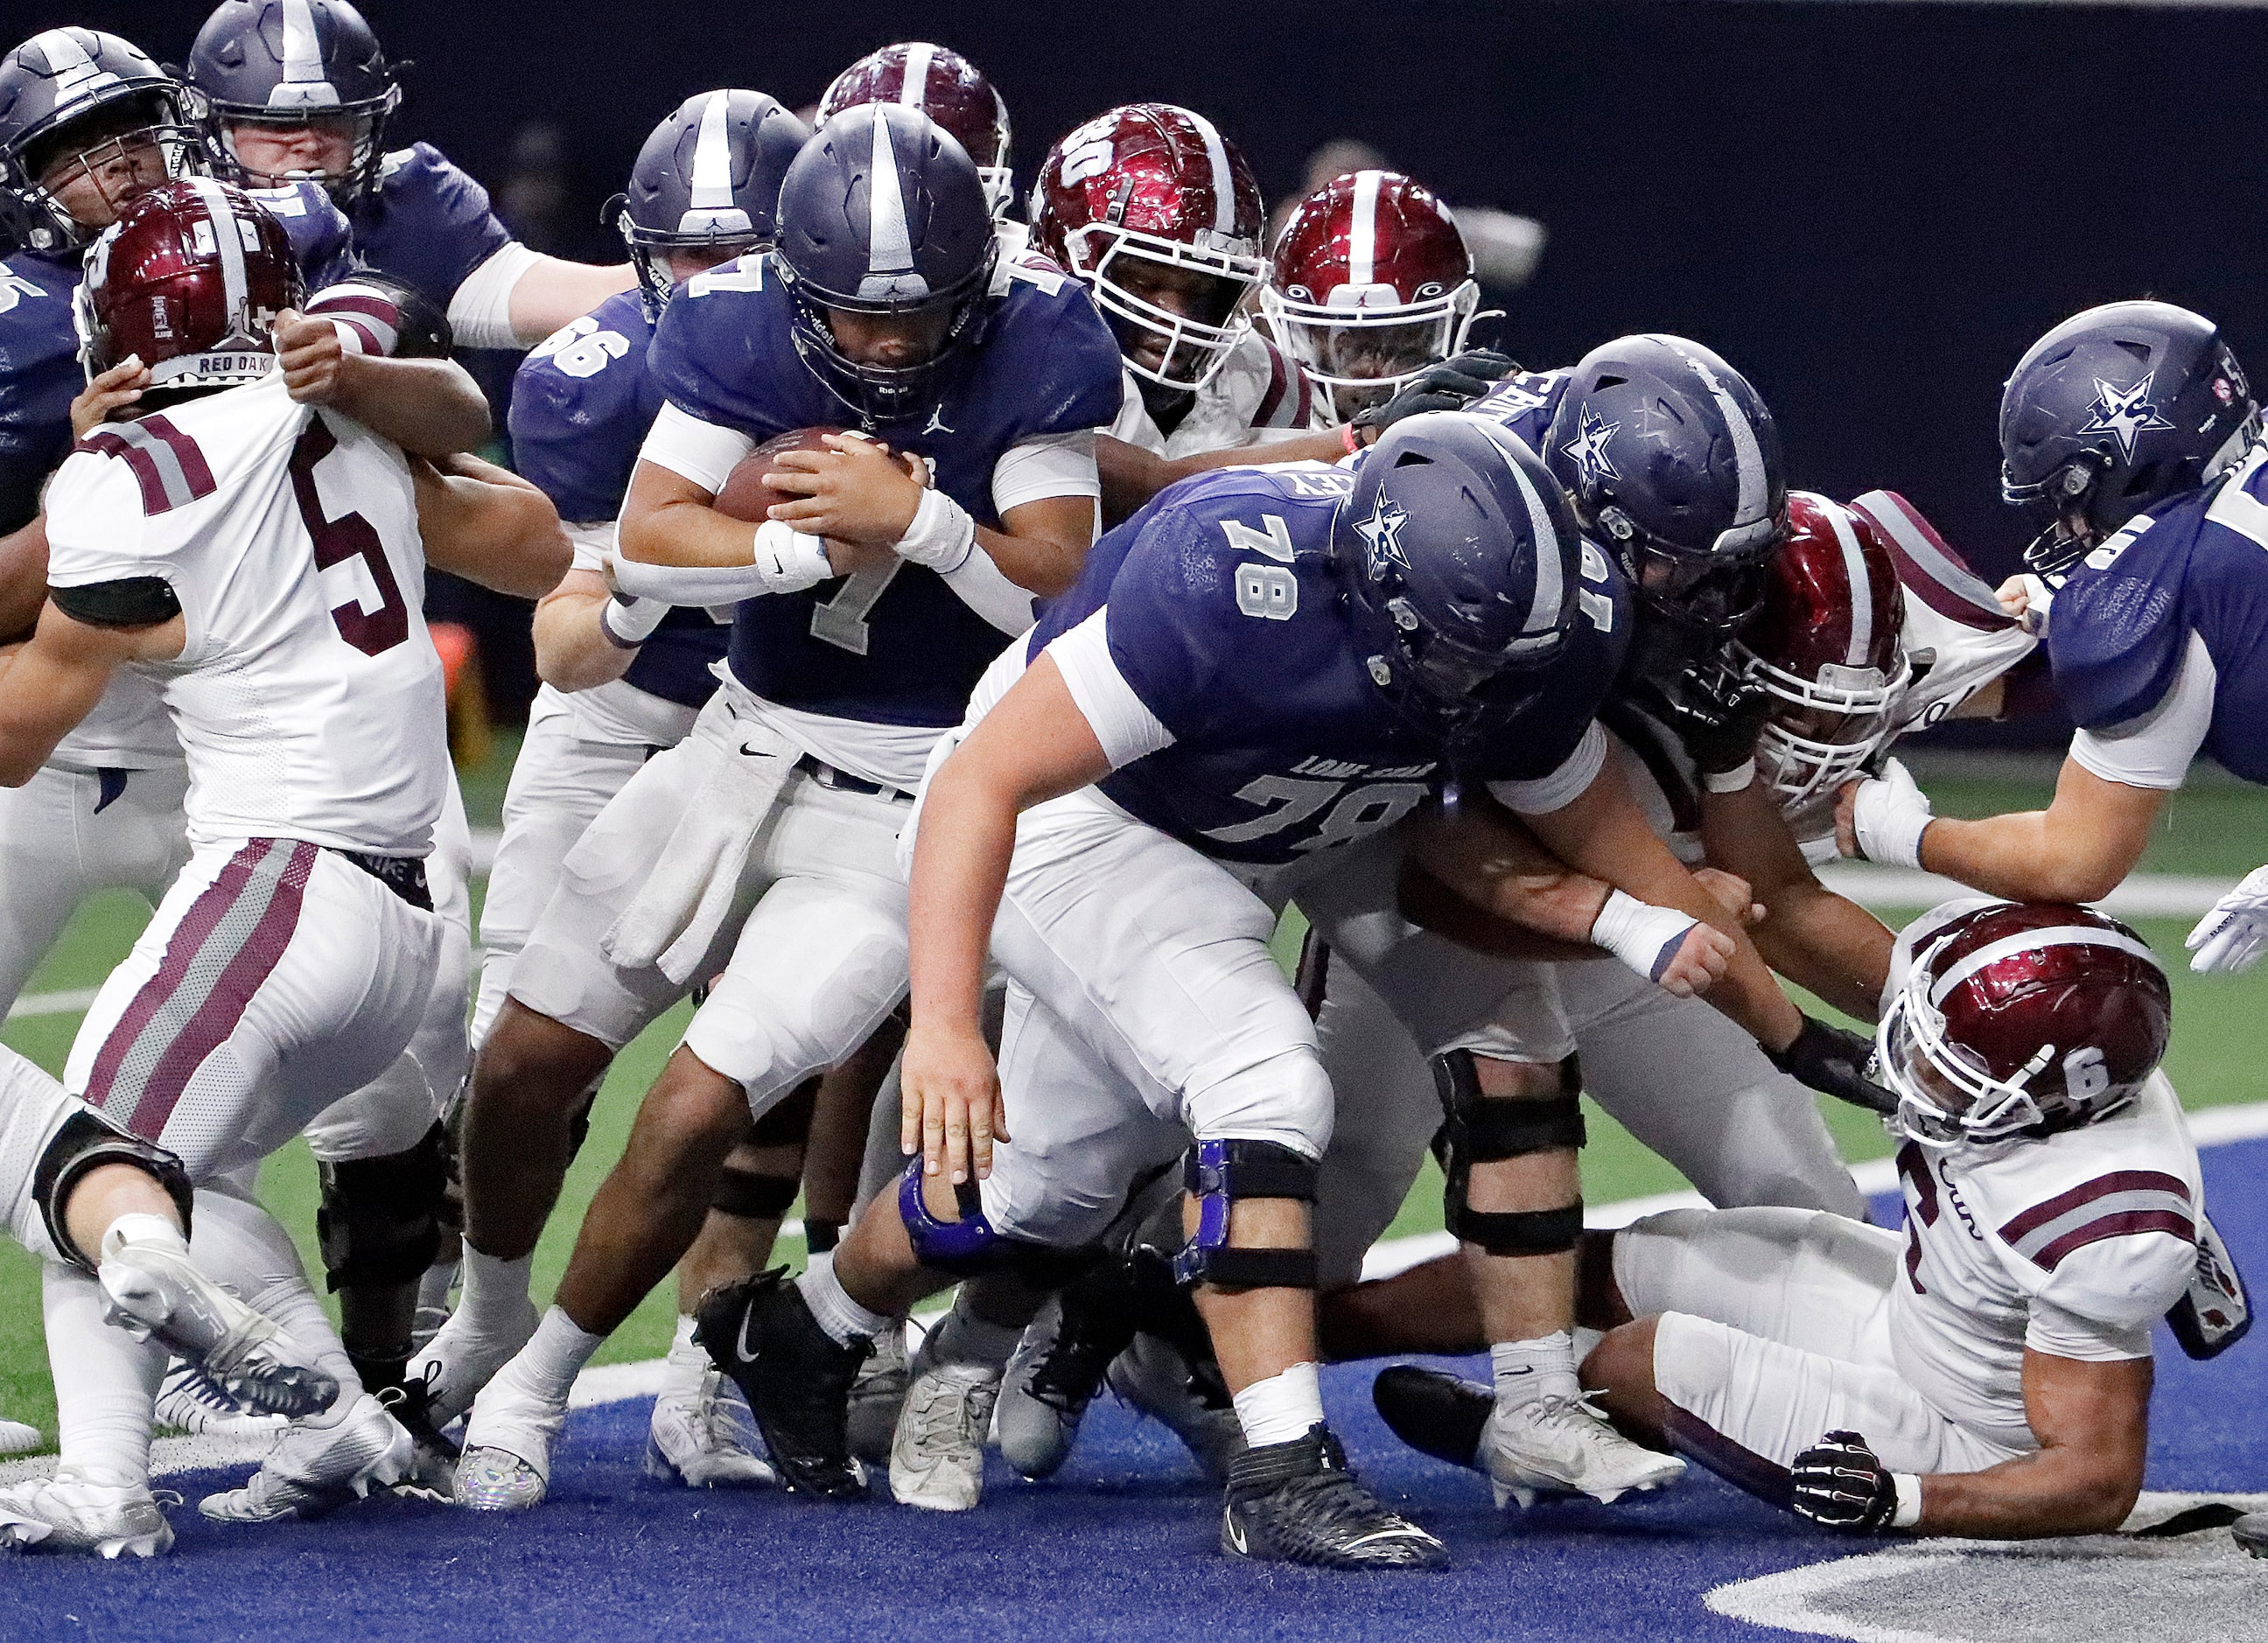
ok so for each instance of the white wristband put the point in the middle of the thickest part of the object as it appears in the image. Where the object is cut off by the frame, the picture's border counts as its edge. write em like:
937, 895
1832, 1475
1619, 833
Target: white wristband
1909, 1511
786, 561
1643, 936
790, 560
629, 624
1732, 781
942, 534
1889, 817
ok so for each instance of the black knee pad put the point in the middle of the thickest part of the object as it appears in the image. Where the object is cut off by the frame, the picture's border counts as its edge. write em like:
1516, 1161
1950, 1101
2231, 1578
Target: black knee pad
380, 1221
788, 1124
1217, 1174
1482, 1130
754, 1197
86, 1142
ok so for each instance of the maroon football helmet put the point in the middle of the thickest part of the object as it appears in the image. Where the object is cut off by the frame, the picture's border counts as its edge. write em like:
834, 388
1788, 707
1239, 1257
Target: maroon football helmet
1828, 644
946, 86
1370, 284
191, 279
2022, 1017
1151, 193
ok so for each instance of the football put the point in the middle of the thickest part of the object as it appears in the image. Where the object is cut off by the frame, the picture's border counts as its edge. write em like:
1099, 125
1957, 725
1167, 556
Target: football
746, 495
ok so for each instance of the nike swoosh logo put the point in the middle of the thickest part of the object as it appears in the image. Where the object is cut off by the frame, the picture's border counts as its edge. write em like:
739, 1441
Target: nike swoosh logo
1236, 1537
757, 753
1509, 1375
740, 1346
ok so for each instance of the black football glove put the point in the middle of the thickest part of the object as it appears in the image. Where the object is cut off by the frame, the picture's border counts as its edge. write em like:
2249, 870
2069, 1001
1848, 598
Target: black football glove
1839, 1481
1450, 384
1834, 1062
1716, 711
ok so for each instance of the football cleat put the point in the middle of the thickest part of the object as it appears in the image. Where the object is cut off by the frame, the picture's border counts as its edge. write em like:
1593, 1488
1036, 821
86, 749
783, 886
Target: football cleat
315, 1470
77, 1511
1558, 1445
16, 1437
704, 1437
937, 1460
1154, 1377
1298, 1502
156, 1294
188, 1401
2215, 1312
1436, 1414
2251, 1533
506, 1466
1055, 1373
458, 1362
796, 1377
878, 1394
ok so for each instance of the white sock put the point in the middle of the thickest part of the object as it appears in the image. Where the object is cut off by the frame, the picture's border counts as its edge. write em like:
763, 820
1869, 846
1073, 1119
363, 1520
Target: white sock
683, 1370
137, 1227
962, 1337
1281, 1409
1542, 1367
1587, 1342
494, 1298
105, 1381
555, 1355
843, 1319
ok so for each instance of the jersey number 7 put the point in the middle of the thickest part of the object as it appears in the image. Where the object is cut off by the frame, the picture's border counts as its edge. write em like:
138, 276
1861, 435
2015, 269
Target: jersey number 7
347, 537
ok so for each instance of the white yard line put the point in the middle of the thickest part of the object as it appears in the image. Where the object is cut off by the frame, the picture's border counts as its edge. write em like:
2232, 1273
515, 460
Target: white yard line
2145, 895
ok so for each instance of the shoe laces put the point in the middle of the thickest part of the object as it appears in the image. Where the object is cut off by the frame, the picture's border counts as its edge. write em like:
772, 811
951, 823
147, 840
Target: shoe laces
192, 1382
947, 1405
1069, 1371
720, 1420
1334, 1498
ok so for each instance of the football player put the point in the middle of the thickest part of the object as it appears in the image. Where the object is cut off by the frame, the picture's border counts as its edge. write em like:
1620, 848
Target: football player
763, 845
950, 90
624, 678
291, 90
2130, 430
292, 959
1985, 1372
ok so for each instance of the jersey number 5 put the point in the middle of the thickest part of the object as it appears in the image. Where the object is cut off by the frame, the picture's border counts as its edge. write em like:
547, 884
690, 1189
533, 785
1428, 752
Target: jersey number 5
348, 536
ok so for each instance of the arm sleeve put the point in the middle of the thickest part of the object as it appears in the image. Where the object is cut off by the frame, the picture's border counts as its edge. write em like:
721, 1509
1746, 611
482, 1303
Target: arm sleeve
480, 312
1121, 720
2155, 750
592, 539
693, 449
1564, 785
1052, 465
982, 585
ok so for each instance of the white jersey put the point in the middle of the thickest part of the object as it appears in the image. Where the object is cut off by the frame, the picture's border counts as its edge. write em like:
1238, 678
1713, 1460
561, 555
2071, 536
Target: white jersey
307, 698
128, 730
1257, 396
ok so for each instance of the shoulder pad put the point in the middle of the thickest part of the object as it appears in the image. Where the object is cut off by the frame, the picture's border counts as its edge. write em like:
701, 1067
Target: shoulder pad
2116, 638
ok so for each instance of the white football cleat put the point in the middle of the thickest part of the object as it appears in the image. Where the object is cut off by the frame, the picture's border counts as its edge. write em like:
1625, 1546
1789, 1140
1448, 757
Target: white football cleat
314, 1470
879, 1394
1558, 1445
937, 1460
77, 1511
16, 1438
188, 1401
704, 1437
506, 1465
458, 1363
1157, 1380
156, 1294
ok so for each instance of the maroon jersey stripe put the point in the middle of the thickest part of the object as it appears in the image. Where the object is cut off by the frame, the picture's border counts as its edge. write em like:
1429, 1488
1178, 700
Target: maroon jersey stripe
193, 467
2121, 1225
2087, 1191
154, 499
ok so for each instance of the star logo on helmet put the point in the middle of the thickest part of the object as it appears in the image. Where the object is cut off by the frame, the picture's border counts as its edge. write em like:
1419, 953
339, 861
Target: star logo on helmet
1381, 534
2125, 413
1588, 448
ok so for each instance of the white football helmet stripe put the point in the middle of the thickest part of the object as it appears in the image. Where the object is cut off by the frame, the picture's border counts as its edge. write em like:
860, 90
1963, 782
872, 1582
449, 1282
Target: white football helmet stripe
303, 84
76, 73
912, 91
889, 240
1362, 231
1748, 452
2029, 940
229, 242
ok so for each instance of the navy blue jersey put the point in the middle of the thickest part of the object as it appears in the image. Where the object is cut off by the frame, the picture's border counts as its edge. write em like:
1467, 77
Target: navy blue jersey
2120, 624
1224, 617
581, 405
1525, 404
39, 370
427, 223
895, 646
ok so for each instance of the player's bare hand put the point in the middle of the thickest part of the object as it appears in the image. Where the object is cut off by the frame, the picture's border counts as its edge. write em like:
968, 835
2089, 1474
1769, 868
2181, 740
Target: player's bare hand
312, 358
1733, 893
2024, 601
951, 1112
1698, 963
856, 490
112, 391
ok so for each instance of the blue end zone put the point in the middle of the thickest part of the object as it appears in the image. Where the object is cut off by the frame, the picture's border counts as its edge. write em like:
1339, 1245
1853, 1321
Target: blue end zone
1119, 1545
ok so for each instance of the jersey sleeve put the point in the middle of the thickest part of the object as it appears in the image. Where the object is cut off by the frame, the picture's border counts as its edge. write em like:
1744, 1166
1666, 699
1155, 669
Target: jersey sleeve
1121, 720
321, 237
577, 422
2116, 632
30, 443
1050, 465
97, 530
1525, 403
453, 218
1078, 381
2104, 1258
704, 340
1564, 785
1171, 606
2155, 750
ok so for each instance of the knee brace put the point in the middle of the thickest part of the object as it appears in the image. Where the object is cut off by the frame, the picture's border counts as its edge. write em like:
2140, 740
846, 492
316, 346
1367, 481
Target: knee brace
380, 1220
788, 1124
971, 1245
1482, 1130
1218, 1173
85, 1142
754, 1197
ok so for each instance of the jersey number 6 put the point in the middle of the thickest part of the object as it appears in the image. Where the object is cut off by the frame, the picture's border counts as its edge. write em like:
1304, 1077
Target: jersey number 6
348, 536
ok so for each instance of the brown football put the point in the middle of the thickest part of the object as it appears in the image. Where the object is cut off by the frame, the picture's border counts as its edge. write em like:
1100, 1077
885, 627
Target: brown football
745, 495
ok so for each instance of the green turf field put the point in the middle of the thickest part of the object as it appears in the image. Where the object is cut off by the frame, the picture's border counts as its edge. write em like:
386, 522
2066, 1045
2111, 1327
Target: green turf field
2213, 829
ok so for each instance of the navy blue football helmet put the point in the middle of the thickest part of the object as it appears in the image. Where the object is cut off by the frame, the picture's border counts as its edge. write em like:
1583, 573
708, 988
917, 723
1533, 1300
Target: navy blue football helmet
708, 177
1671, 461
883, 213
285, 62
1463, 566
79, 90
2112, 412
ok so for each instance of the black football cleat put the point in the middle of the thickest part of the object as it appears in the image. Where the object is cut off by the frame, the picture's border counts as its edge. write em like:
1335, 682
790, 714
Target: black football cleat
1296, 1502
1436, 1414
796, 1377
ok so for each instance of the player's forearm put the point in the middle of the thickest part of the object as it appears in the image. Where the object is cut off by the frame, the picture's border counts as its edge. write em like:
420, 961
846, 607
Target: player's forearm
23, 580
1043, 565
684, 532
552, 292
967, 838
430, 408
2073, 1490
1809, 934
572, 653
1496, 866
2028, 856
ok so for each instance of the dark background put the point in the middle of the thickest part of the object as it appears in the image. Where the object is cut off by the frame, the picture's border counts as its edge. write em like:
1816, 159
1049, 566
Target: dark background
1869, 208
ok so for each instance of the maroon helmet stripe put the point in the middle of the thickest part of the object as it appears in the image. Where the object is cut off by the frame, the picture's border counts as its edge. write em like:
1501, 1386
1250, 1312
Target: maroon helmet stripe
2102, 1187
154, 499
193, 467
1272, 400
2124, 1224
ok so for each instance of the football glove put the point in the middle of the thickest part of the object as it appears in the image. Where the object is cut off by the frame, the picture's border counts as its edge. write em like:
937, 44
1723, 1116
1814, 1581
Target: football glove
2230, 939
1716, 712
1890, 816
1839, 1481
1835, 1062
1451, 385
